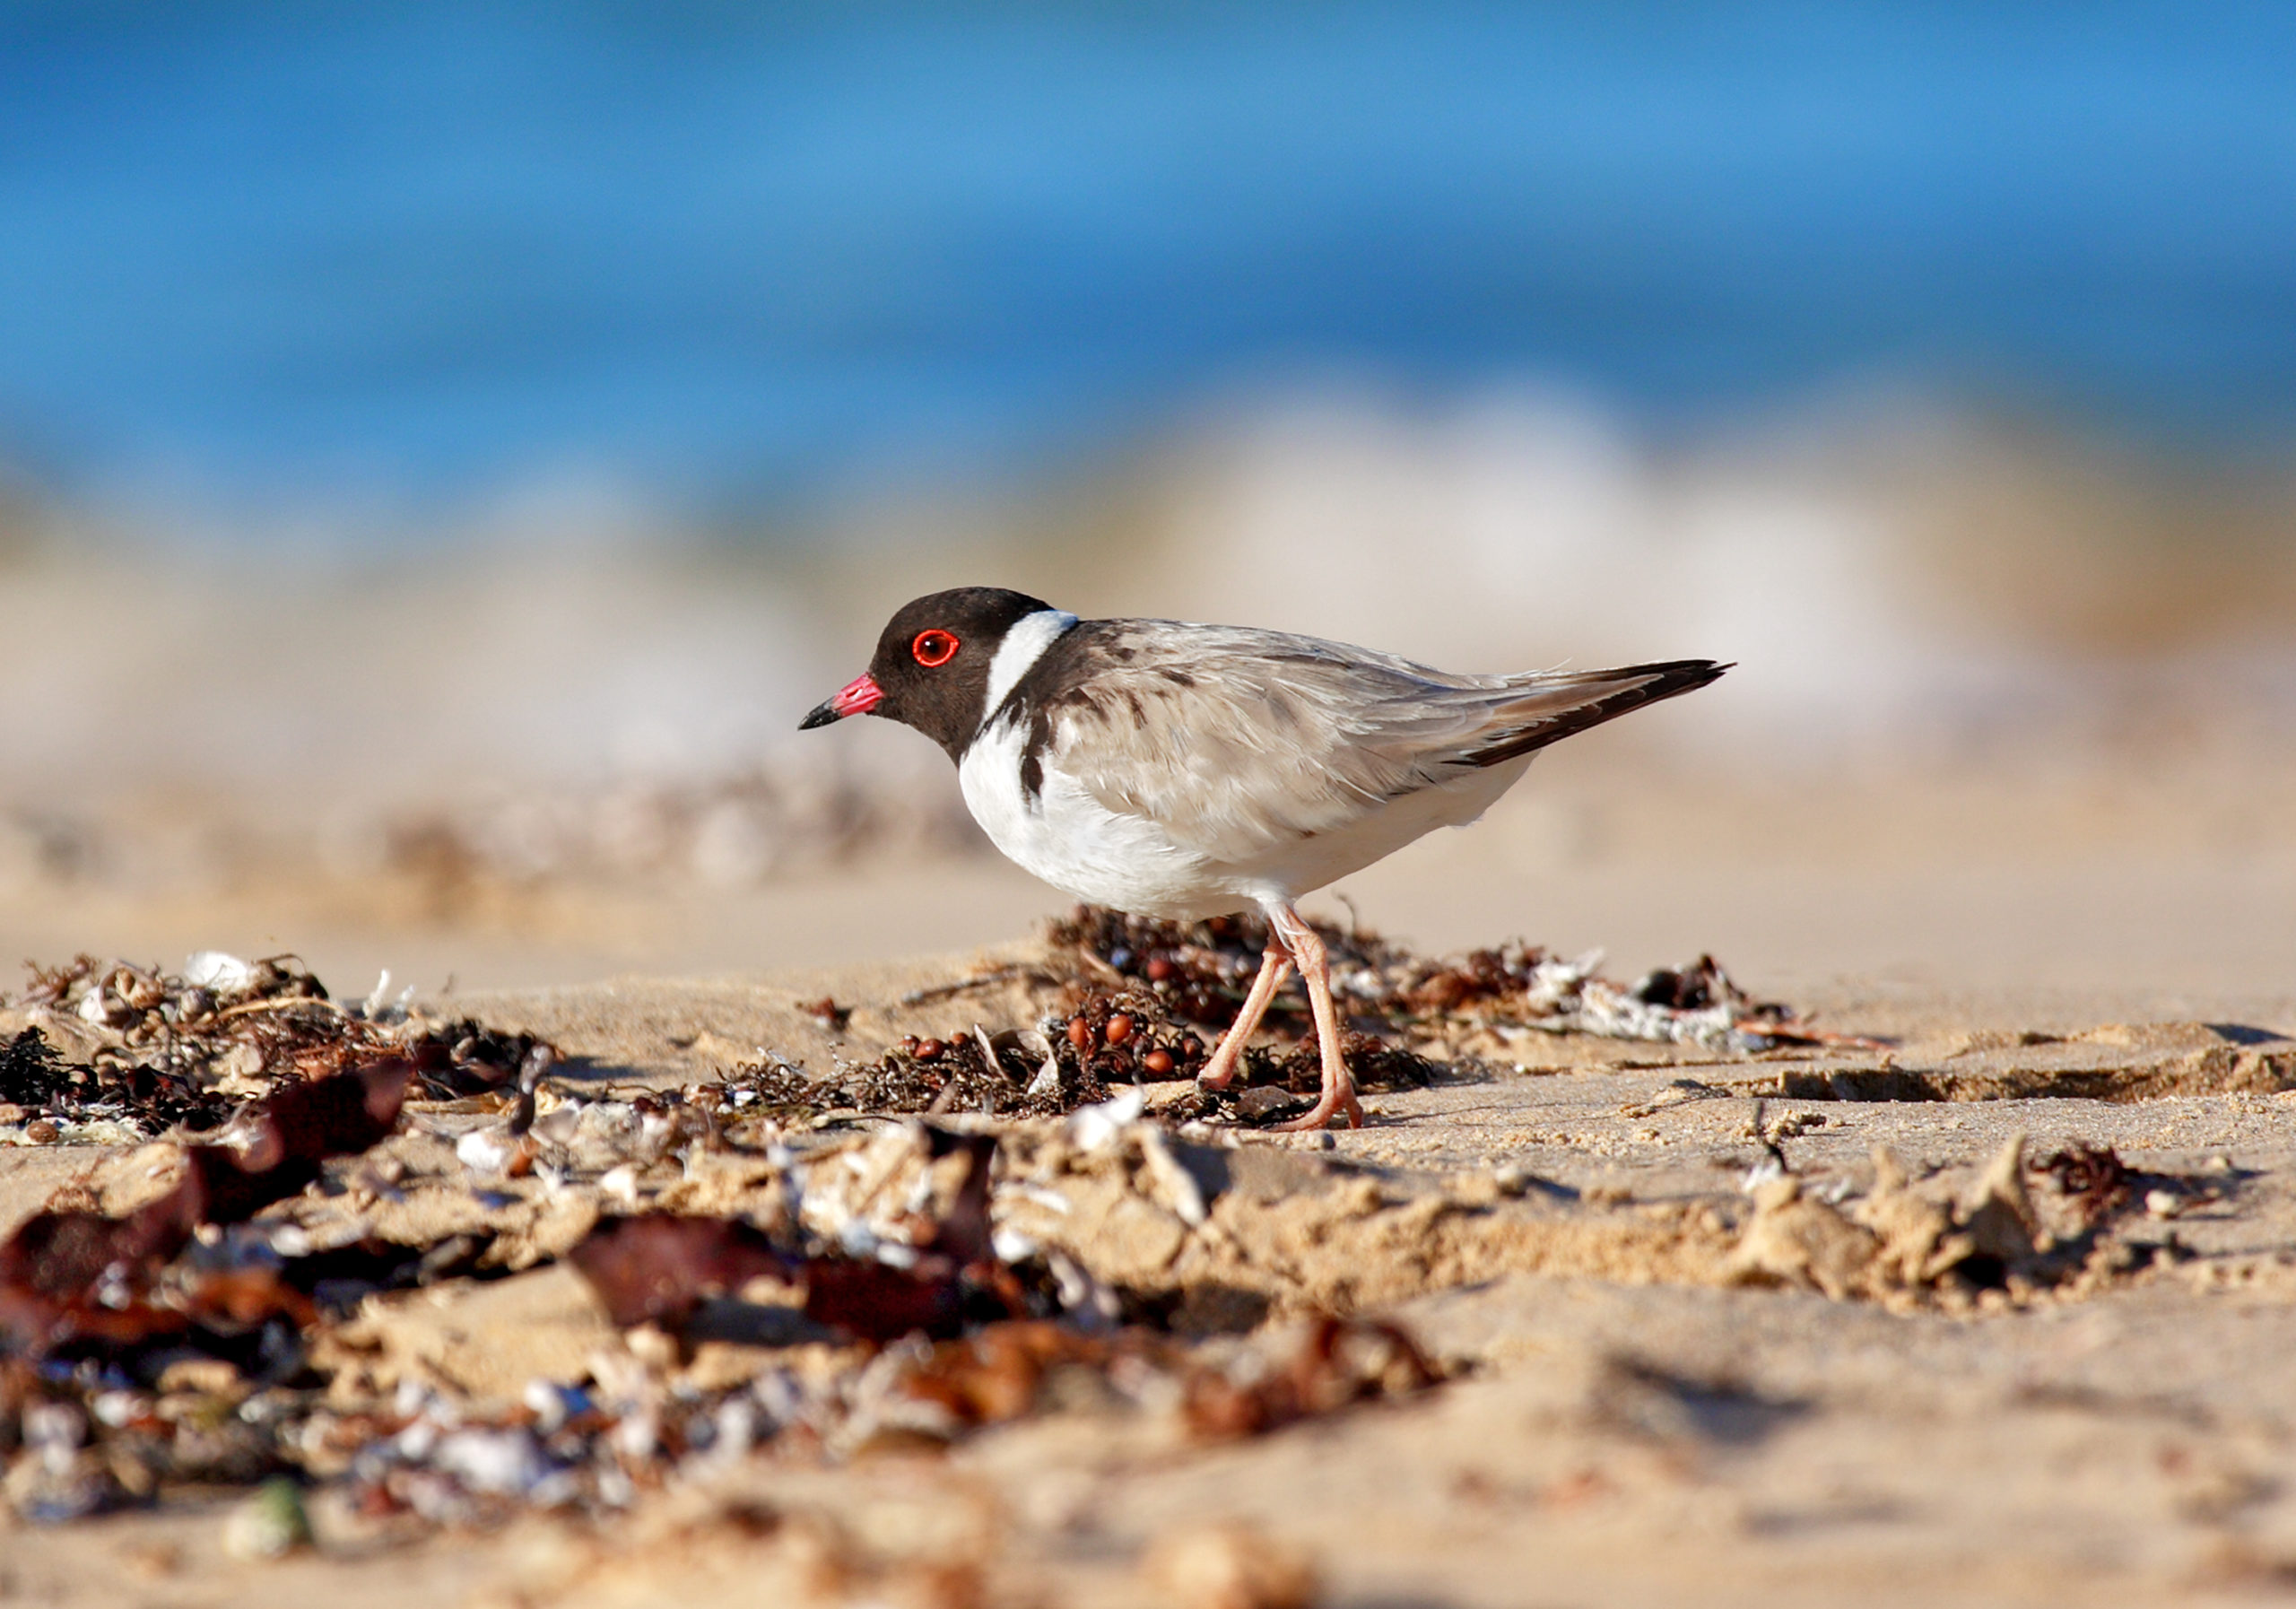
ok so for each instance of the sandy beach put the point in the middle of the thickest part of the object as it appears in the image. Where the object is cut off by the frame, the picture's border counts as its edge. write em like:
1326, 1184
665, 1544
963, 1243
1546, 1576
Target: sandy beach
1659, 1366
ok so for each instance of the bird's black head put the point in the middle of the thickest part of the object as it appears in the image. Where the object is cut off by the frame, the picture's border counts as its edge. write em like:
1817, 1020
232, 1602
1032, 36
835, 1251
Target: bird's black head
931, 668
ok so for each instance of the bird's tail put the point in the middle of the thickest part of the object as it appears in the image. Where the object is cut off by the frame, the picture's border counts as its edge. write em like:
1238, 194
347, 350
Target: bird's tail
1552, 707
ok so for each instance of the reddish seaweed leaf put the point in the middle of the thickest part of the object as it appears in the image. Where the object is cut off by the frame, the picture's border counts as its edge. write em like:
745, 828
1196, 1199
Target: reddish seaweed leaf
83, 1276
660, 1267
956, 1275
963, 1235
876, 1301
285, 1139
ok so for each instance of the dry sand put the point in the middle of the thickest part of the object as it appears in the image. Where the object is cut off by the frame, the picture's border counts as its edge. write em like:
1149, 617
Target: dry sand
1663, 1387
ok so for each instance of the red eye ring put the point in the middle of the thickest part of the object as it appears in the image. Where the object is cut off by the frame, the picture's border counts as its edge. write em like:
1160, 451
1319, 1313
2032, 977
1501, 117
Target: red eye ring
934, 647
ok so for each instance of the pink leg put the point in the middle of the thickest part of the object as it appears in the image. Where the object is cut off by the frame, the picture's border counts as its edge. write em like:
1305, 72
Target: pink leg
1315, 972
1274, 963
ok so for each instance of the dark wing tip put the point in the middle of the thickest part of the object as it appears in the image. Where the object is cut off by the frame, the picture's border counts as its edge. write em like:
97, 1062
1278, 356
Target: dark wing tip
1645, 684
1667, 679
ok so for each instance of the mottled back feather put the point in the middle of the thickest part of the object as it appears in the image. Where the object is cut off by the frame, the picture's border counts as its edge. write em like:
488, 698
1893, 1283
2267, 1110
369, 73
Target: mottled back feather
1237, 740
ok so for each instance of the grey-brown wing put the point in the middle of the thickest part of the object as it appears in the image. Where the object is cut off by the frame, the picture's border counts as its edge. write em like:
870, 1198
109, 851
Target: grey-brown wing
1237, 739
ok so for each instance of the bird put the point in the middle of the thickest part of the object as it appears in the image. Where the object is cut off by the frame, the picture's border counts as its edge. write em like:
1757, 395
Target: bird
1184, 771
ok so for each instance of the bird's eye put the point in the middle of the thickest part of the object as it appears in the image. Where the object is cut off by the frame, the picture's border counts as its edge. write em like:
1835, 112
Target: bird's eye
934, 648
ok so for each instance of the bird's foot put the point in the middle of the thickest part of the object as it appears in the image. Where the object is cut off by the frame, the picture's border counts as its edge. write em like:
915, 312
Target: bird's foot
1334, 1101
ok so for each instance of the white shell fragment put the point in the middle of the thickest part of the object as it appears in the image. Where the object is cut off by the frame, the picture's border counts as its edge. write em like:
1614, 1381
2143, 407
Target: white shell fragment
486, 1149
1175, 1183
1096, 1127
219, 973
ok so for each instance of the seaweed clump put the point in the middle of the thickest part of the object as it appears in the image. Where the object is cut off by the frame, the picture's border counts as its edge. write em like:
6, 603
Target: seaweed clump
1015, 1073
30, 1075
38, 1086
1201, 971
149, 1050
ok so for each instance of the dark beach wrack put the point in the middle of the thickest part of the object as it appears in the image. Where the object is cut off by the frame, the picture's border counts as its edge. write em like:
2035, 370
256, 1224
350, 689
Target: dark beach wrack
1135, 1002
435, 1273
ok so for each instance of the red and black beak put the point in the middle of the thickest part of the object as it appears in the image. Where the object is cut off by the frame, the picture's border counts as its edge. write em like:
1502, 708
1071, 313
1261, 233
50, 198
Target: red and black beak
857, 697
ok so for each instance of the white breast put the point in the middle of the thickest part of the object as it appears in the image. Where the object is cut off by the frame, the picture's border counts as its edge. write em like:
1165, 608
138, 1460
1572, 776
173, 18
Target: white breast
1062, 835
1079, 845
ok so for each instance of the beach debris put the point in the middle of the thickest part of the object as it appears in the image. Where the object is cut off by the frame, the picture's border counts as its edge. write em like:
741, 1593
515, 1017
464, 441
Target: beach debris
2100, 1187
30, 1075
1199, 973
2094, 1181
692, 1280
899, 1325
660, 1268
146, 1050
1376, 1066
51, 1099
931, 1286
1099, 1040
463, 1056
1139, 1003
1125, 1036
1016, 1072
1900, 1240
131, 1346
75, 1279
772, 1264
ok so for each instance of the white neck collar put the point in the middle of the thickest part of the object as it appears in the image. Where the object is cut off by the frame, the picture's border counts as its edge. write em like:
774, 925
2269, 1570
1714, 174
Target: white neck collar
1023, 647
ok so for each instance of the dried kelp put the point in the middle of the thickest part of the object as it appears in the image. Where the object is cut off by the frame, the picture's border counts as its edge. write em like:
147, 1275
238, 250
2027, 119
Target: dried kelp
1010, 1074
903, 1324
1140, 1002
659, 1267
37, 1085
71, 1280
2094, 1181
1100, 1040
2098, 1187
1374, 1064
30, 1074
1200, 971
166, 1051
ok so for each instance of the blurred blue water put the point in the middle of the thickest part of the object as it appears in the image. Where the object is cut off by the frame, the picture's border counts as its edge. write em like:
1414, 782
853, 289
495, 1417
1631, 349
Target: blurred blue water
740, 252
